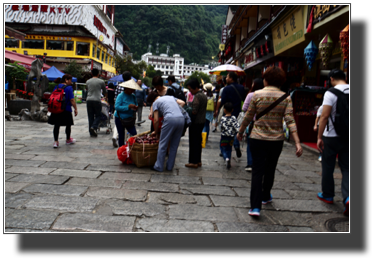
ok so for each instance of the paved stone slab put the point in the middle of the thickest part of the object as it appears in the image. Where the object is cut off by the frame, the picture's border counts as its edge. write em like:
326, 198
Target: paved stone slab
8, 211
301, 205
243, 175
200, 172
147, 170
291, 179
302, 195
230, 201
288, 218
175, 179
9, 176
319, 221
114, 168
94, 223
65, 165
13, 187
16, 200
203, 189
299, 229
30, 170
307, 167
132, 195
137, 209
97, 161
285, 185
226, 182
95, 182
282, 168
9, 156
48, 158
242, 191
62, 203
301, 173
33, 219
40, 179
151, 186
309, 187
337, 182
77, 173
126, 176
23, 163
246, 227
194, 212
65, 190
175, 198
157, 225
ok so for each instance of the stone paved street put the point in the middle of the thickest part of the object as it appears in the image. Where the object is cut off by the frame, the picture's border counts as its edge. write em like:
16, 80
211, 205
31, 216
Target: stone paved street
84, 187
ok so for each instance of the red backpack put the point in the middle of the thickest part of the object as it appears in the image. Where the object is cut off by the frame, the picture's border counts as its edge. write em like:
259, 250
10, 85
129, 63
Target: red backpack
57, 100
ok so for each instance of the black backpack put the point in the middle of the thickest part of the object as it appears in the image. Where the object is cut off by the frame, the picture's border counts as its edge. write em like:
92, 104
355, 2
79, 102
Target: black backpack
341, 121
177, 93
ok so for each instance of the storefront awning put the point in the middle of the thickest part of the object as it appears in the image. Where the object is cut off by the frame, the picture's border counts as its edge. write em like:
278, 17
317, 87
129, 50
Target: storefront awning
24, 60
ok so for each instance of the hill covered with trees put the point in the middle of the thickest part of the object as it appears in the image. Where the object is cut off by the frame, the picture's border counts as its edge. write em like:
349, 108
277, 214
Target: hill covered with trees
193, 31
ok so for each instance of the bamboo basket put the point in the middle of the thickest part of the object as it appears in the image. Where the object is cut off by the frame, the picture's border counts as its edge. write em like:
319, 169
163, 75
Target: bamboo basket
143, 155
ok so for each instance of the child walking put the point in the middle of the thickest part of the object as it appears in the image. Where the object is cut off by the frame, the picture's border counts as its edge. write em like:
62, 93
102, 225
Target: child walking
229, 128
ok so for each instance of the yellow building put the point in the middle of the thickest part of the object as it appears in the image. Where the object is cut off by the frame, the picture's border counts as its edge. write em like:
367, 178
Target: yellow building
62, 33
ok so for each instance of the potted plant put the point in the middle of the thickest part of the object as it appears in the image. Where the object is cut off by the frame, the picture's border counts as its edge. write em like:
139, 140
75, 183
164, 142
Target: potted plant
30, 95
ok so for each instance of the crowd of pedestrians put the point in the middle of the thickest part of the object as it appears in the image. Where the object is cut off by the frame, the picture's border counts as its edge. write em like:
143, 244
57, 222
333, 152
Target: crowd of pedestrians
265, 107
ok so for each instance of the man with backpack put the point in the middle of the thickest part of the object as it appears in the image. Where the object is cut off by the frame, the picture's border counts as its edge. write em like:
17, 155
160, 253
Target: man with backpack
333, 137
175, 89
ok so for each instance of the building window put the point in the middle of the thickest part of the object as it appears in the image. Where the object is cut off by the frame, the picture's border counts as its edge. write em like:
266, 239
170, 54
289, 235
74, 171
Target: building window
180, 67
166, 67
167, 72
98, 53
93, 50
11, 43
110, 61
33, 44
171, 67
60, 45
82, 48
162, 66
109, 11
102, 57
107, 57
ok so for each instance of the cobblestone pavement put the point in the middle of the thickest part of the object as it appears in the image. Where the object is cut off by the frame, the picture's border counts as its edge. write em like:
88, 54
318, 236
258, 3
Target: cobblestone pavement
84, 187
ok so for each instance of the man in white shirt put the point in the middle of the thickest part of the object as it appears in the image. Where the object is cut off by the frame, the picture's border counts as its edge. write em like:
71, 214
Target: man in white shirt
331, 144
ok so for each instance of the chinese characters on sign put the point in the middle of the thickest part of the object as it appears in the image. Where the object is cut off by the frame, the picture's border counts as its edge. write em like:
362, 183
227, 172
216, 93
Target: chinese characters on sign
289, 33
43, 8
224, 34
322, 10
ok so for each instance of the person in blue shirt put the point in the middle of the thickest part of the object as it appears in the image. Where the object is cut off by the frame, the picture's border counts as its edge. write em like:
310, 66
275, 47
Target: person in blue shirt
235, 94
126, 106
64, 118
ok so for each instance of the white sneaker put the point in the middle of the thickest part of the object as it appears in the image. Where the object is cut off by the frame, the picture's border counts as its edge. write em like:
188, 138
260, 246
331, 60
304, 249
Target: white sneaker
71, 141
55, 144
320, 158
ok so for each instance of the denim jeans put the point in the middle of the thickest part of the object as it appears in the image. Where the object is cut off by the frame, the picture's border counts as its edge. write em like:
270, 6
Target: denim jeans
226, 146
94, 111
236, 142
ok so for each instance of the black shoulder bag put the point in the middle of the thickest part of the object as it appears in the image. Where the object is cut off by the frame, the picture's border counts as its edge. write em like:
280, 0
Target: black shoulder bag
128, 122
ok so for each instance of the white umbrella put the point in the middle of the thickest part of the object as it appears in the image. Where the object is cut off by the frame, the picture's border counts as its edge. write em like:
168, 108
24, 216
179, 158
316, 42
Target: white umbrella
225, 69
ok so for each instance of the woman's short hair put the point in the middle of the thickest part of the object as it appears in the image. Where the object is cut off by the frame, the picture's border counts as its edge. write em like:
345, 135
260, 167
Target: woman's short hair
66, 77
258, 84
111, 85
126, 76
275, 76
152, 96
193, 83
157, 81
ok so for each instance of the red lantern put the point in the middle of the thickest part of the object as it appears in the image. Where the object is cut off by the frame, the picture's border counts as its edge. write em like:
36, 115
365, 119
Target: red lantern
266, 47
257, 53
261, 50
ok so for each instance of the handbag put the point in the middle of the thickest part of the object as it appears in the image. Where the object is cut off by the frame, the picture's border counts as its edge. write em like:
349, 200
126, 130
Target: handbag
266, 110
128, 122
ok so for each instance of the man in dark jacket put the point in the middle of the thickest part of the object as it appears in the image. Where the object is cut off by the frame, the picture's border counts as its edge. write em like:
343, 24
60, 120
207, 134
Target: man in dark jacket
141, 98
175, 89
235, 94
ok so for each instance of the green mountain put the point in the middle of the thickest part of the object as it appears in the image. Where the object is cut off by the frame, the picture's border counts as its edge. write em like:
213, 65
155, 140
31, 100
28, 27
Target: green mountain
193, 31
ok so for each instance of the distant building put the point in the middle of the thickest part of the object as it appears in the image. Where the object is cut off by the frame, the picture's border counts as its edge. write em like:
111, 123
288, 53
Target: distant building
172, 65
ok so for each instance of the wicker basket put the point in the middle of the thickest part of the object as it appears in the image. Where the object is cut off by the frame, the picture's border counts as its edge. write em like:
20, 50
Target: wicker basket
144, 154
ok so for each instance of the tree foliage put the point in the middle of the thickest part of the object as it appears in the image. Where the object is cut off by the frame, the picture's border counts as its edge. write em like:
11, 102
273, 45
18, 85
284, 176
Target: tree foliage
200, 76
74, 69
15, 73
193, 31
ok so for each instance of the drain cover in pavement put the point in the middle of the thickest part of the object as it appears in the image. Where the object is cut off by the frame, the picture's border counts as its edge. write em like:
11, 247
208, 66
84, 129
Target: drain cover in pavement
338, 225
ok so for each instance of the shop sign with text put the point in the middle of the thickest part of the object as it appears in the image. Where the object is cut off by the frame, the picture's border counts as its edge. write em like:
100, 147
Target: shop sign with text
289, 32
